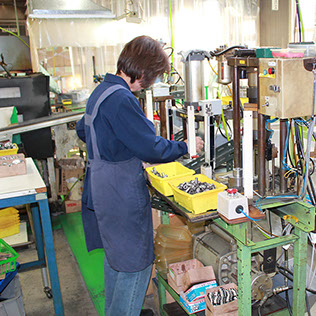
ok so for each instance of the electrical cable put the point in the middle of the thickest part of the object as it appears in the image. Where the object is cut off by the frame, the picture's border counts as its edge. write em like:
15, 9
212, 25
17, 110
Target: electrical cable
172, 50
213, 54
290, 278
307, 305
255, 220
4, 30
270, 233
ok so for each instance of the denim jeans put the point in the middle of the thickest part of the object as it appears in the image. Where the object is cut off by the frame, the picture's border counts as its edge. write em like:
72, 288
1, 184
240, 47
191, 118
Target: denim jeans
125, 291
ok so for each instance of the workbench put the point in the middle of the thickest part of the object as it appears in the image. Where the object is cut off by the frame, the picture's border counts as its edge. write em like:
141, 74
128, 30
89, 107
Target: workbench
30, 189
302, 217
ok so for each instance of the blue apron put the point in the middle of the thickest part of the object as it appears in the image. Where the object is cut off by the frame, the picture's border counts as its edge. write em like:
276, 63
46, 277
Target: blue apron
121, 203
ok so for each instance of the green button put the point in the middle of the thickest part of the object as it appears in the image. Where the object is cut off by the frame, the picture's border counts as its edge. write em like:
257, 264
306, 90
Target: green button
265, 72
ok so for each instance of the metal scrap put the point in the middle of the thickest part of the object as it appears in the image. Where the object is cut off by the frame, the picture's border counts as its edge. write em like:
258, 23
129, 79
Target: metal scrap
195, 186
158, 174
222, 296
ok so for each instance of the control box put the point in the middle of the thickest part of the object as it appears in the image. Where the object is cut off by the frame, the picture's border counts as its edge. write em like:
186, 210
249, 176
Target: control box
210, 107
230, 203
285, 88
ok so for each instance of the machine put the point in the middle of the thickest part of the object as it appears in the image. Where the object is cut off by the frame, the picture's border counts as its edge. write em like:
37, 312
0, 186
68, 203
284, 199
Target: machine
273, 165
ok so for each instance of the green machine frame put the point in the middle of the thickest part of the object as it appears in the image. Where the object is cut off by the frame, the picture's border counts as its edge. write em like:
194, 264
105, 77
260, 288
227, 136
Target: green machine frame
302, 216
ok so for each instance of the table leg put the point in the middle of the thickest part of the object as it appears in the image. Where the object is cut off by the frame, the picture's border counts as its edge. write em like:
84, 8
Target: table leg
50, 256
38, 233
244, 279
299, 273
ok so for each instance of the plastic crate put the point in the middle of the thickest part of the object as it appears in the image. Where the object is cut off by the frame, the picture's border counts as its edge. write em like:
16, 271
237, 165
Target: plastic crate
9, 264
6, 152
173, 170
200, 202
11, 299
9, 222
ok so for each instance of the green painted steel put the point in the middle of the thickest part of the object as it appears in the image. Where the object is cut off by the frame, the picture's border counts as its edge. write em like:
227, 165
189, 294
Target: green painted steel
299, 272
244, 279
273, 242
91, 264
238, 231
162, 287
164, 218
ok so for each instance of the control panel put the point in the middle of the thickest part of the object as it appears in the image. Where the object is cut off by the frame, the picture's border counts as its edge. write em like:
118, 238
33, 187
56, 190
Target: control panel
285, 87
232, 204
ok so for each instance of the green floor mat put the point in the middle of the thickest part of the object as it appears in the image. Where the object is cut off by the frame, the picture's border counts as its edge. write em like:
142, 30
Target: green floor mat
91, 264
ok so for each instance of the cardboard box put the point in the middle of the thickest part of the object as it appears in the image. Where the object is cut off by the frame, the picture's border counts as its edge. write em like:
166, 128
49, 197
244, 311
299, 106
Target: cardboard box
12, 165
193, 307
68, 168
73, 206
184, 274
197, 292
228, 309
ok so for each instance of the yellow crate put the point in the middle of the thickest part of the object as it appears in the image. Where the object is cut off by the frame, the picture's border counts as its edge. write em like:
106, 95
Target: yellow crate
173, 170
200, 202
9, 222
6, 152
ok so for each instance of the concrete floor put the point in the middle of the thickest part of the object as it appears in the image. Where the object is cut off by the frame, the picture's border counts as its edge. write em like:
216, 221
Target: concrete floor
76, 298
75, 295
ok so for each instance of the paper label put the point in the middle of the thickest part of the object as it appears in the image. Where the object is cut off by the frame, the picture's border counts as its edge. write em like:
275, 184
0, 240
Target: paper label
275, 5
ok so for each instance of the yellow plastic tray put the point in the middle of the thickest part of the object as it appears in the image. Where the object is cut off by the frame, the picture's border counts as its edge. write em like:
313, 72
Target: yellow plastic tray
200, 202
6, 152
173, 170
9, 222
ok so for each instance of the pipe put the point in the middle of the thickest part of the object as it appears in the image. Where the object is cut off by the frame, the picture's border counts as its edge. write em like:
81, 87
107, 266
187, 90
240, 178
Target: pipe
282, 146
236, 117
261, 154
163, 119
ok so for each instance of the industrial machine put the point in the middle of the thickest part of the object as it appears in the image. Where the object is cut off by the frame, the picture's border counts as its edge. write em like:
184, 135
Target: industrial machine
273, 167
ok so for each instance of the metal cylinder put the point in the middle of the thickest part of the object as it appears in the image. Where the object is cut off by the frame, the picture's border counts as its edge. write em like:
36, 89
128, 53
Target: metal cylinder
282, 146
163, 119
223, 70
261, 154
236, 115
194, 80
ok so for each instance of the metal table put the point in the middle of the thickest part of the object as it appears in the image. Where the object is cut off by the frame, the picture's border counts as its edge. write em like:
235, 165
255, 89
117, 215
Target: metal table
30, 189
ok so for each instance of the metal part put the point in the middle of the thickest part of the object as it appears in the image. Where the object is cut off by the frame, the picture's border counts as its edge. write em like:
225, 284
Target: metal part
32, 125
236, 121
194, 77
158, 174
236, 180
282, 146
284, 85
219, 249
223, 70
195, 186
261, 285
65, 9
261, 155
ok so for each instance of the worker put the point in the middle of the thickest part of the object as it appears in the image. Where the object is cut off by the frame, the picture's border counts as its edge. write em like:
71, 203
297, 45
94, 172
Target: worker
116, 209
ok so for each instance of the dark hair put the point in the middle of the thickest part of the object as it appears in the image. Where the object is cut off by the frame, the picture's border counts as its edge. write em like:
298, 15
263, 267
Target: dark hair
143, 58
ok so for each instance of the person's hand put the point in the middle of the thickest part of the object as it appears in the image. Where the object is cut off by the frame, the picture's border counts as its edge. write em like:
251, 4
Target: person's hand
199, 143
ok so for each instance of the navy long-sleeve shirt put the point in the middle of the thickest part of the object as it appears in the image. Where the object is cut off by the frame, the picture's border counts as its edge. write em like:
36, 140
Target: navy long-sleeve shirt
123, 131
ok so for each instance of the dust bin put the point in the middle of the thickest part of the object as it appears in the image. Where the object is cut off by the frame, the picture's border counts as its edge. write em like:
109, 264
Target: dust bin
11, 300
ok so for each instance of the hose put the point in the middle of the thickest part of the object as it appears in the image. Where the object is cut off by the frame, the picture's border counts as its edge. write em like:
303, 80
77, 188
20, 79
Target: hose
225, 50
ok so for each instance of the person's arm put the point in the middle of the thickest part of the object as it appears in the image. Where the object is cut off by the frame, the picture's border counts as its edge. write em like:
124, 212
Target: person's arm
137, 133
80, 129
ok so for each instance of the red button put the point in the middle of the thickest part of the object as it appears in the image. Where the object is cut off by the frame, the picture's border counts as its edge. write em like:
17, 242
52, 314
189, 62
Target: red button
232, 191
271, 71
